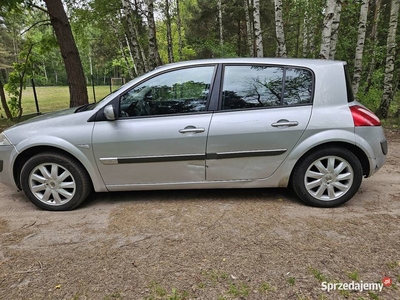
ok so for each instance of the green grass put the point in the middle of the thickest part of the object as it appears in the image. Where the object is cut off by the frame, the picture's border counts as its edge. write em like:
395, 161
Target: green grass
291, 280
50, 98
319, 275
239, 290
353, 276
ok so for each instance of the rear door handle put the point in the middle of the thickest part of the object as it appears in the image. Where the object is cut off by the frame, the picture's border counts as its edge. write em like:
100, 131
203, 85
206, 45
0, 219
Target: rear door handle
285, 123
192, 129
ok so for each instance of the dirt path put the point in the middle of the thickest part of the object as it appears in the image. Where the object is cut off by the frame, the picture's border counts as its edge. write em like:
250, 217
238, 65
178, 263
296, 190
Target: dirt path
219, 244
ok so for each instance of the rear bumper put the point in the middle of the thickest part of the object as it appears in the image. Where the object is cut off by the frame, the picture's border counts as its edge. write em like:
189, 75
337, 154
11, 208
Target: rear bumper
372, 140
384, 147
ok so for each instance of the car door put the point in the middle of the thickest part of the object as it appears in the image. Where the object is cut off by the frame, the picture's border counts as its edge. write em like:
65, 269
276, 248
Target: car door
160, 136
264, 110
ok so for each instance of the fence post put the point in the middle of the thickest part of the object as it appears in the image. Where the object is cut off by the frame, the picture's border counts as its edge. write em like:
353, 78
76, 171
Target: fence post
94, 93
35, 96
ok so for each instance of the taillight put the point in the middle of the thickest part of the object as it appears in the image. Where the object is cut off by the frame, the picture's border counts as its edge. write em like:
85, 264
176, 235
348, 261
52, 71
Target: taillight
364, 117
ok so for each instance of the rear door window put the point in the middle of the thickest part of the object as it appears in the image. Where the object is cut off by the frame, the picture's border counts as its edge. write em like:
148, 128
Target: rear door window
246, 87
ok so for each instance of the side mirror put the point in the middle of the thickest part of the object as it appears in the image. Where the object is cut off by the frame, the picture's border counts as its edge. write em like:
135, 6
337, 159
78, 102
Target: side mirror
109, 112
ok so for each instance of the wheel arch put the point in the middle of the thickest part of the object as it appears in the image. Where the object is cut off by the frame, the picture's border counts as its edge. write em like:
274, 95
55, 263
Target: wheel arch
27, 153
362, 157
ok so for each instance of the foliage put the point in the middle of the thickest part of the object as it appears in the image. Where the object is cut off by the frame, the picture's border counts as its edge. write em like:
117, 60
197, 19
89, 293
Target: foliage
101, 33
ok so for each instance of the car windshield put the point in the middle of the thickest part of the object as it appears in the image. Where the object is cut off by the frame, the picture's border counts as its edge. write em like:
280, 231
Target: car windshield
91, 106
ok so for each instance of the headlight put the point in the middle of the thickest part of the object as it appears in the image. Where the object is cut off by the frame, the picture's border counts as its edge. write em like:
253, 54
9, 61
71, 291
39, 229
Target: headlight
4, 140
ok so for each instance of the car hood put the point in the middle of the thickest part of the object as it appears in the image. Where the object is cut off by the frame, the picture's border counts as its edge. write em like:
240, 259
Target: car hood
47, 116
50, 124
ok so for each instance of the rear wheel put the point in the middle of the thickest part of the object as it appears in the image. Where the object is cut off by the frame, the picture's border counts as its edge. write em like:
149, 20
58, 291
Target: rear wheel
54, 181
327, 177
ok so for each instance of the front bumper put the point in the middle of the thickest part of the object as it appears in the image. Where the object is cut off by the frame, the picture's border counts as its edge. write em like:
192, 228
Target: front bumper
6, 170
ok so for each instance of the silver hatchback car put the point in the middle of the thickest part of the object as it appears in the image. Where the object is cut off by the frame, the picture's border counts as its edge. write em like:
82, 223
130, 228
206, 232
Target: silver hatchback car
223, 123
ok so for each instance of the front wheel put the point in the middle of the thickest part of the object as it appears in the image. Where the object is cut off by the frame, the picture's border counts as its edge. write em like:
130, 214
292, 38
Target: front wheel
54, 181
328, 177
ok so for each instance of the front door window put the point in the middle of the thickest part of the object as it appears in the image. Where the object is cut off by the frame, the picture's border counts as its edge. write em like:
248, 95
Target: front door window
177, 92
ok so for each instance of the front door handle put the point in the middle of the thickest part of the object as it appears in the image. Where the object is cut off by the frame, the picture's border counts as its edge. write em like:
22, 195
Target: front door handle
192, 129
285, 123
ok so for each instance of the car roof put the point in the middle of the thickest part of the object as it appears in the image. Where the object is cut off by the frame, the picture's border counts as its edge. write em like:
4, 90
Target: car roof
300, 62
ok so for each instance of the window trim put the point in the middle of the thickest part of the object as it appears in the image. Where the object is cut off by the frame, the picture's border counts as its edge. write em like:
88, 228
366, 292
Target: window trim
224, 65
349, 89
212, 82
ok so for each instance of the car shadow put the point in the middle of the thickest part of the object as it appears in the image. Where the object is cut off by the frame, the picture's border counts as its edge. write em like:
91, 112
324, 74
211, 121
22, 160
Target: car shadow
194, 195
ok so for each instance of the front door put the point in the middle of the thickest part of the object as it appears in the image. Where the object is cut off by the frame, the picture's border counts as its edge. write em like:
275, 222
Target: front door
160, 137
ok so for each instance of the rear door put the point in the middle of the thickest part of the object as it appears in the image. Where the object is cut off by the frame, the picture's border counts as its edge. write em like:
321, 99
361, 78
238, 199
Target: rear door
264, 110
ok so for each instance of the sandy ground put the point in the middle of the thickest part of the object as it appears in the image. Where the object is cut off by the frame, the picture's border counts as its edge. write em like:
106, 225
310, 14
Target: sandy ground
216, 244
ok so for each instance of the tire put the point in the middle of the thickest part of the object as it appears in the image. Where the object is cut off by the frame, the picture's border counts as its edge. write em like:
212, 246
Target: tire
54, 181
328, 177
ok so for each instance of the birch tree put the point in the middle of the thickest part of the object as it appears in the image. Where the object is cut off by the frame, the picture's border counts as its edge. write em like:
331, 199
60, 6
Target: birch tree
306, 31
249, 28
121, 47
179, 27
335, 29
280, 33
309, 28
154, 56
327, 29
374, 41
169, 32
221, 28
362, 28
132, 39
259, 49
384, 106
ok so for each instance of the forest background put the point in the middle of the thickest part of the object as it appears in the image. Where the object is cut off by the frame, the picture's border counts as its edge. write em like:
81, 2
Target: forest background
79, 43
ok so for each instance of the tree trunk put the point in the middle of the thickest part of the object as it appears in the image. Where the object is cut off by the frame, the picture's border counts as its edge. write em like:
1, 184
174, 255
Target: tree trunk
298, 33
335, 29
259, 49
21, 81
131, 55
306, 31
179, 27
383, 109
280, 32
169, 33
137, 19
133, 41
121, 46
221, 27
3, 96
69, 53
45, 72
142, 53
362, 28
239, 37
154, 55
327, 29
374, 41
249, 29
